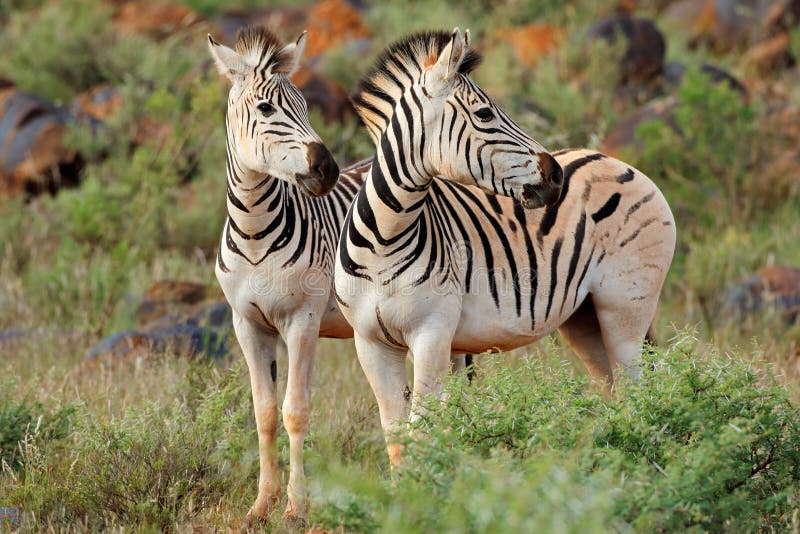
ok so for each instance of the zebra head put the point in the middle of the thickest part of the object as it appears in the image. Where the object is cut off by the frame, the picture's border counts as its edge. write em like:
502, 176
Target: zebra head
421, 87
267, 120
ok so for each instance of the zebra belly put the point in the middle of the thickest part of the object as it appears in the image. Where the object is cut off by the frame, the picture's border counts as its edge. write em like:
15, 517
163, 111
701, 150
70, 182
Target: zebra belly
502, 330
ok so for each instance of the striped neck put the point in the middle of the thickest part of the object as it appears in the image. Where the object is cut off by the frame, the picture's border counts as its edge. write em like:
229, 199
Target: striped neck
253, 202
400, 177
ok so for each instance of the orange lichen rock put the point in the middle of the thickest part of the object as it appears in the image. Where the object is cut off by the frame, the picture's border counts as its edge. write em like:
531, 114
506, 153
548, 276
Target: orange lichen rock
530, 42
333, 22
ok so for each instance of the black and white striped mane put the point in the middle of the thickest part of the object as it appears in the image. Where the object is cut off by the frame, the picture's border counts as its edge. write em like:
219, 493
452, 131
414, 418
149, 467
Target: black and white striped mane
398, 68
261, 49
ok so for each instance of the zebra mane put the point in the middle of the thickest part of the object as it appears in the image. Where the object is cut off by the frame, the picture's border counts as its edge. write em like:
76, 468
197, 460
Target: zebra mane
260, 47
396, 69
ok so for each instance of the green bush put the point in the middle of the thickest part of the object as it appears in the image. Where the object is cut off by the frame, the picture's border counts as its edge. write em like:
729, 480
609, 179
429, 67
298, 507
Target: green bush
706, 444
711, 159
27, 420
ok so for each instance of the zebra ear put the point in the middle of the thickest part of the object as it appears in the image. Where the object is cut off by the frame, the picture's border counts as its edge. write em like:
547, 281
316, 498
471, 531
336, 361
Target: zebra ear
292, 53
447, 64
228, 62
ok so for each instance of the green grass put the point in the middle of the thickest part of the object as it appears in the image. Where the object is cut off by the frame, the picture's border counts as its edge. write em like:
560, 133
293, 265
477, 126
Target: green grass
168, 443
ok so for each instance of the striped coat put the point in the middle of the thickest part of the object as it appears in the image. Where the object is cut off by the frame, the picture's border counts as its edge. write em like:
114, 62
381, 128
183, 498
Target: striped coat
435, 266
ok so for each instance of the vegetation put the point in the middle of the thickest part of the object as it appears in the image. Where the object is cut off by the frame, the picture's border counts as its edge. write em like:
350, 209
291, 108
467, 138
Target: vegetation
709, 440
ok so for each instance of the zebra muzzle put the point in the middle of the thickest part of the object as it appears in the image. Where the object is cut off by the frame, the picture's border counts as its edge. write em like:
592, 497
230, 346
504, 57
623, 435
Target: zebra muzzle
323, 171
537, 196
548, 191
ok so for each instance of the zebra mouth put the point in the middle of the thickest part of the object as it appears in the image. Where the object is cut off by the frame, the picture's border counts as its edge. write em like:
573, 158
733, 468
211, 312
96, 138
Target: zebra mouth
539, 196
309, 185
532, 203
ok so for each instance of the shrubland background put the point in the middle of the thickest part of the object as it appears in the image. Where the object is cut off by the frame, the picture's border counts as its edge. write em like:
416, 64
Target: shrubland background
120, 217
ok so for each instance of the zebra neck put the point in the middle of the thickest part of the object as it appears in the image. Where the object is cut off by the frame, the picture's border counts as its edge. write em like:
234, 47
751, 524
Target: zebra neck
400, 184
256, 206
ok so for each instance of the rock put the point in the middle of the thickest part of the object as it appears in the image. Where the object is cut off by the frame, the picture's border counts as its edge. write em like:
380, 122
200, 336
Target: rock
325, 95
623, 134
772, 289
674, 71
721, 24
99, 102
33, 157
185, 339
172, 302
156, 19
185, 317
329, 23
177, 291
10, 517
771, 54
531, 42
643, 60
734, 24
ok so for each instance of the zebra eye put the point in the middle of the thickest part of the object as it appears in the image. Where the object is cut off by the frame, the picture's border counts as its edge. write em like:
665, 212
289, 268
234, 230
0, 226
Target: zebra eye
484, 114
266, 109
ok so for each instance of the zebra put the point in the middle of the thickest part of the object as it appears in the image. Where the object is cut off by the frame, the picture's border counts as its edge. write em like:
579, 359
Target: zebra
276, 256
512, 243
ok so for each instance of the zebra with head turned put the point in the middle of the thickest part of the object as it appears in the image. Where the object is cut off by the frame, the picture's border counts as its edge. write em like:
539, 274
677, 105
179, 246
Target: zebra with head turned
276, 256
435, 266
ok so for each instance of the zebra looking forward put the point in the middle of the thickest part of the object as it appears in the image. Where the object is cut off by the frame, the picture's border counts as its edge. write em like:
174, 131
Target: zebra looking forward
435, 266
275, 262
276, 257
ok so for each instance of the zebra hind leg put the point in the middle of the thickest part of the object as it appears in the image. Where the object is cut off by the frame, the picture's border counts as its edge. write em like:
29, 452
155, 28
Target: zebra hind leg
462, 363
583, 334
625, 324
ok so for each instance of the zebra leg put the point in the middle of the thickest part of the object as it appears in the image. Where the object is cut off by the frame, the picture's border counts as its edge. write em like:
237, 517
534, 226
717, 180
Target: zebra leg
624, 324
301, 346
458, 363
582, 332
258, 347
385, 368
431, 359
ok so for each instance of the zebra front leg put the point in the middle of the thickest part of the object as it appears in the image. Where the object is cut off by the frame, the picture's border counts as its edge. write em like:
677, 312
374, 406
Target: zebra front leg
258, 347
301, 346
385, 368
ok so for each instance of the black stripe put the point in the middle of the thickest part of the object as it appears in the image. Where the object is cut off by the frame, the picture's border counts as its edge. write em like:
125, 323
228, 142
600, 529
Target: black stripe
627, 177
582, 276
550, 215
580, 232
352, 235
608, 208
647, 198
519, 213
386, 334
553, 276
236, 202
631, 237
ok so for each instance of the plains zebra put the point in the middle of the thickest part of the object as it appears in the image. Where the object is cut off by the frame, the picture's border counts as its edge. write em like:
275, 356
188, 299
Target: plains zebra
435, 266
276, 255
